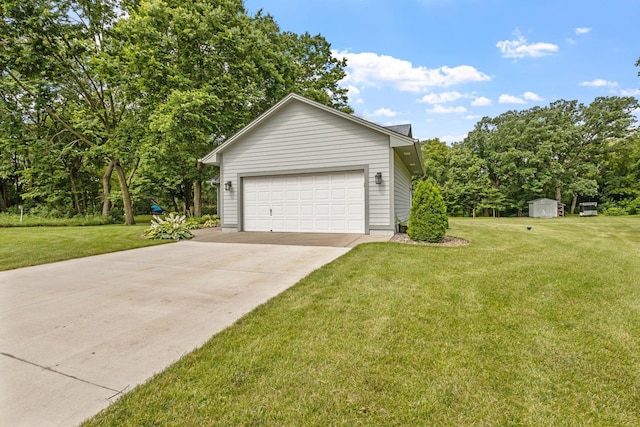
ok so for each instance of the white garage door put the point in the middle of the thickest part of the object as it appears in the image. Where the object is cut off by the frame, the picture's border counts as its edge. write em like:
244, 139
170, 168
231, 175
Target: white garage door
318, 203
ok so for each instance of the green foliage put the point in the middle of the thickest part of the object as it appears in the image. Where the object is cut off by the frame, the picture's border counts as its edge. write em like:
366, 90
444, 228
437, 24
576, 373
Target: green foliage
205, 221
140, 90
428, 216
566, 150
170, 227
434, 153
29, 220
613, 211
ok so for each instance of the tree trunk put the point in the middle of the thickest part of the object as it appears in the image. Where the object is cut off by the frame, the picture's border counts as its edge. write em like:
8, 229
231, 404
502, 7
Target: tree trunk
574, 201
126, 196
187, 196
106, 188
197, 198
197, 194
3, 196
558, 194
74, 193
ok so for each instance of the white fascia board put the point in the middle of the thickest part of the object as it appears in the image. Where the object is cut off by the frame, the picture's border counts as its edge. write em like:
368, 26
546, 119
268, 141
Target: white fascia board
211, 159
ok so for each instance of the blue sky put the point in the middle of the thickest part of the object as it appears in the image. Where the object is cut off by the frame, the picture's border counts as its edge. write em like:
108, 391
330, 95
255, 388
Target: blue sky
442, 65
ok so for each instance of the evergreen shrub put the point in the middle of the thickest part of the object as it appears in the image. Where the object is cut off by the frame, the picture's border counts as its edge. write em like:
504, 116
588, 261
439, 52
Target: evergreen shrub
428, 220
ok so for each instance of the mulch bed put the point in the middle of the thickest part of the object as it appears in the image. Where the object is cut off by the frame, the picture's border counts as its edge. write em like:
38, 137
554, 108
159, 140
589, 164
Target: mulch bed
448, 241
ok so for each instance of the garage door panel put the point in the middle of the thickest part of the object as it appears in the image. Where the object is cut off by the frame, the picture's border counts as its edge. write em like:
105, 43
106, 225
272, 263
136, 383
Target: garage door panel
306, 210
328, 202
322, 209
322, 194
338, 209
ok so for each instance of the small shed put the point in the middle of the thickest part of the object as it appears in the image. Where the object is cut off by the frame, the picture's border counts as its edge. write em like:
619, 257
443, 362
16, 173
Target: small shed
589, 209
543, 208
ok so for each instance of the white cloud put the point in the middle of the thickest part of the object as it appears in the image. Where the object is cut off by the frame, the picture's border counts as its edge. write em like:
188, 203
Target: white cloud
599, 83
384, 112
630, 92
520, 48
510, 99
353, 91
582, 30
472, 117
453, 138
570, 40
439, 109
379, 70
530, 96
481, 102
441, 98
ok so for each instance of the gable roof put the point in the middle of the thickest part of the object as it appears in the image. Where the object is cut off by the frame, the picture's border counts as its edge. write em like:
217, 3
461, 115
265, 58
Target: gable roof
399, 136
401, 129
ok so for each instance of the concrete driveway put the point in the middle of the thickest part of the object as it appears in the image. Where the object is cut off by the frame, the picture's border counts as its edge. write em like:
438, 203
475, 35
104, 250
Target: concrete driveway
273, 238
76, 335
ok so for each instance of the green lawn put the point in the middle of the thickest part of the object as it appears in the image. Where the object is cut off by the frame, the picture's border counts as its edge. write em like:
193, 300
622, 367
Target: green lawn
25, 246
534, 327
521, 327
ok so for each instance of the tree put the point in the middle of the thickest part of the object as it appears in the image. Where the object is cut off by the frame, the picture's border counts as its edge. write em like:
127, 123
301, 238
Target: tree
467, 181
125, 86
556, 149
428, 215
55, 53
434, 155
201, 70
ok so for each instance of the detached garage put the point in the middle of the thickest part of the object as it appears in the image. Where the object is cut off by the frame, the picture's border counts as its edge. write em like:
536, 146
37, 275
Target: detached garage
305, 167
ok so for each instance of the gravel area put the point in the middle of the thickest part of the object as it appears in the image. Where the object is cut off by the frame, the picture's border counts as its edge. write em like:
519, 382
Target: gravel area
448, 241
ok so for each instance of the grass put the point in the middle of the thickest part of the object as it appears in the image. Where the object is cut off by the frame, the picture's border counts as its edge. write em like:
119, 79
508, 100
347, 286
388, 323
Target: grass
521, 327
27, 246
15, 220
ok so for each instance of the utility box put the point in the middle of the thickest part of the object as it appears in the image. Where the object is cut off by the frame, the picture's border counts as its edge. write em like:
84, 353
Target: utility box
543, 208
588, 208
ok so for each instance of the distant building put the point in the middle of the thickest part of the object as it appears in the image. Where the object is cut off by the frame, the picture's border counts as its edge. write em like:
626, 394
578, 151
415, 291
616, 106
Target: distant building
545, 208
589, 209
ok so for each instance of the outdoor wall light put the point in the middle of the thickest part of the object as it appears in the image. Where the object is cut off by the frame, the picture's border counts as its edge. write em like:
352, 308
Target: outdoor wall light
379, 178
227, 185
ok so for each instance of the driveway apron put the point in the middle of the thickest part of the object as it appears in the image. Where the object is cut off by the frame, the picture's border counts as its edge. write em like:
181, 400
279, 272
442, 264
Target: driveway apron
76, 335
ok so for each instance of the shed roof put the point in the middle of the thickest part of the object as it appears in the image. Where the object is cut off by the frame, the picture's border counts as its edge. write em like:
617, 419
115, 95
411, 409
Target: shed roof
542, 199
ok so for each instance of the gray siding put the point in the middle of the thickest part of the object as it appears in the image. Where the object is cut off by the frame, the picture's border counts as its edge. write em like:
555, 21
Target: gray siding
402, 189
300, 137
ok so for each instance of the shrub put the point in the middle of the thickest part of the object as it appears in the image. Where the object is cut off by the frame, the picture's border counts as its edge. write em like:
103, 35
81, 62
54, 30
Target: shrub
634, 207
171, 227
29, 220
428, 220
614, 211
205, 221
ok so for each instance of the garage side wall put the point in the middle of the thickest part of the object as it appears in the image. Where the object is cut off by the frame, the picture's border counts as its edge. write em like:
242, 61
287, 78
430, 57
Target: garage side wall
301, 138
402, 189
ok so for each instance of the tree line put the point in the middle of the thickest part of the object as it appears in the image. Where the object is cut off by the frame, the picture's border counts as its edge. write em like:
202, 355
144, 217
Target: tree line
567, 151
107, 105
129, 94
